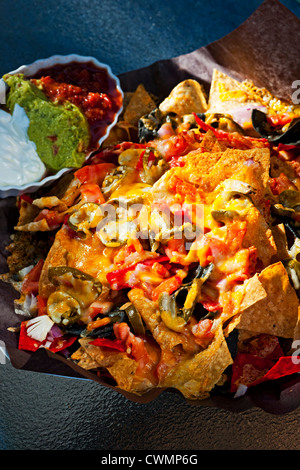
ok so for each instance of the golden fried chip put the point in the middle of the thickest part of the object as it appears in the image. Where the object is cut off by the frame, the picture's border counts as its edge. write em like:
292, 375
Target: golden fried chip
57, 256
83, 359
210, 143
277, 312
186, 98
121, 367
139, 104
260, 235
226, 94
208, 170
196, 376
280, 239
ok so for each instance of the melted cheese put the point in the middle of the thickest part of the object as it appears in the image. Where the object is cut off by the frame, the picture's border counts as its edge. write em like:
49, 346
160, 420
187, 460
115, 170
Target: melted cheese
89, 255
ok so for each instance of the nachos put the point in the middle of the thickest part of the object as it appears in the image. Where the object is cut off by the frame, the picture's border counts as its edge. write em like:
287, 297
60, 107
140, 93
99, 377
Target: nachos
171, 258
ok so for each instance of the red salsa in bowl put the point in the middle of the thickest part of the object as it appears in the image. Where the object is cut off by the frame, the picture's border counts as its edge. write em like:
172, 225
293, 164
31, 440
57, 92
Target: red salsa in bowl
90, 87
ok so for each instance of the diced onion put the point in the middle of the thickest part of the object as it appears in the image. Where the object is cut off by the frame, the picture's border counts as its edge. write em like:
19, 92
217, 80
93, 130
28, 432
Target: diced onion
39, 327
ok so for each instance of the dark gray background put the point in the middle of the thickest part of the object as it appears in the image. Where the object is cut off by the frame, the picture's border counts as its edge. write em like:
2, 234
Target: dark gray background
46, 412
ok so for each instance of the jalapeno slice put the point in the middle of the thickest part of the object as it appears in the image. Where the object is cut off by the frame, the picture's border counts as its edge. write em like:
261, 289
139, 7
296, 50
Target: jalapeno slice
81, 287
135, 319
168, 313
177, 309
224, 215
86, 217
63, 309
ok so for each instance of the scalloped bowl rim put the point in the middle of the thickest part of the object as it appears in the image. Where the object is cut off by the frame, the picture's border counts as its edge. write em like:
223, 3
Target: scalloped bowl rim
29, 69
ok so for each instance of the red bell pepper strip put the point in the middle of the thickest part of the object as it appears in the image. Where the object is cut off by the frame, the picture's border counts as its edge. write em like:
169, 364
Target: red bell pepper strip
60, 344
170, 285
110, 343
151, 158
26, 342
112, 153
42, 305
251, 370
29, 344
287, 147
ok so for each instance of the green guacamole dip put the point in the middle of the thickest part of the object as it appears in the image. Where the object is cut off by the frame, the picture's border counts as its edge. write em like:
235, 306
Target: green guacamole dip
60, 132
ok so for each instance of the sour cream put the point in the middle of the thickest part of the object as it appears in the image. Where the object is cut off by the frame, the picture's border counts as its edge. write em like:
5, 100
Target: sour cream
19, 160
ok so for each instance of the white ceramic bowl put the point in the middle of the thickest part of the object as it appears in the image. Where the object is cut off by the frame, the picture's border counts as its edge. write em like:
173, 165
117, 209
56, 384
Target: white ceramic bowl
32, 69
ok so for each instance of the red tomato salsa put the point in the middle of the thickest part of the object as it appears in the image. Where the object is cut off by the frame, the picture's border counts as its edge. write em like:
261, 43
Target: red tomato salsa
88, 87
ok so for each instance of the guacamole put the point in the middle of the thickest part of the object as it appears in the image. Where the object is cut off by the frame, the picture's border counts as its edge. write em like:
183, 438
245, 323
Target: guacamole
60, 131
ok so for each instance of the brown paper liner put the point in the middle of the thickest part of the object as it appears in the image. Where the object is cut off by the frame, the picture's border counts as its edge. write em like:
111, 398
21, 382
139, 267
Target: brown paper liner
263, 49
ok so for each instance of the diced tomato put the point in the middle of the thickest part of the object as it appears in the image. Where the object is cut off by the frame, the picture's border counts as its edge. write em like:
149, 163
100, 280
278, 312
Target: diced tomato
91, 192
144, 350
281, 120
280, 183
202, 332
160, 269
135, 242
176, 161
174, 146
30, 284
54, 219
211, 305
93, 173
117, 278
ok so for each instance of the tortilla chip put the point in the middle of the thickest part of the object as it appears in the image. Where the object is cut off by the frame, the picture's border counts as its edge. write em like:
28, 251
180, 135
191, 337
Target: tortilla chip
280, 239
186, 98
121, 367
140, 103
208, 170
50, 202
277, 312
83, 359
35, 226
195, 377
296, 336
167, 339
210, 143
57, 256
225, 94
260, 235
27, 213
